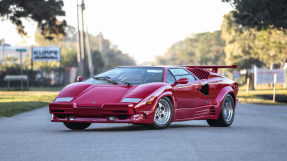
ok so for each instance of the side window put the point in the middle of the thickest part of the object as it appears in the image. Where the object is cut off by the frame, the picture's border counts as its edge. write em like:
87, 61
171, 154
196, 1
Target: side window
176, 71
181, 73
169, 78
190, 78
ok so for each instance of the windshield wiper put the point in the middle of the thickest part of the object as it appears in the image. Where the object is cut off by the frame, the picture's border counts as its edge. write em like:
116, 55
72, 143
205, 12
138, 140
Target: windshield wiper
126, 83
114, 81
106, 78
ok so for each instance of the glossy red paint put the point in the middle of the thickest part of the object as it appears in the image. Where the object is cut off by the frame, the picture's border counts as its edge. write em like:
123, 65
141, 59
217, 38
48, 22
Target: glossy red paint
182, 81
95, 103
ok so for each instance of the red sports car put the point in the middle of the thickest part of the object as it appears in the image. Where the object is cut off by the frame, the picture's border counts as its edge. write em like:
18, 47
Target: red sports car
153, 96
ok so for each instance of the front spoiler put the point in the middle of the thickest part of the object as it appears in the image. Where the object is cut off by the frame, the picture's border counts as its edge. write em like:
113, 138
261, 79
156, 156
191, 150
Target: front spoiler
105, 119
121, 113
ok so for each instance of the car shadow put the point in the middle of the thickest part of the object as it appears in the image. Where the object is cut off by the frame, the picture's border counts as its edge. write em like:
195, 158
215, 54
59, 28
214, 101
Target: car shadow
135, 128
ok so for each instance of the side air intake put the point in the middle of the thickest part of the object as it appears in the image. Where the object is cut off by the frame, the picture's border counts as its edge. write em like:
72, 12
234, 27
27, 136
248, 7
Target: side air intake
205, 89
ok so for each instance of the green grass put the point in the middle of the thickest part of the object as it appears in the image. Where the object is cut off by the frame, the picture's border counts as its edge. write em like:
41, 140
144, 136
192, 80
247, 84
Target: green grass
14, 102
262, 96
31, 89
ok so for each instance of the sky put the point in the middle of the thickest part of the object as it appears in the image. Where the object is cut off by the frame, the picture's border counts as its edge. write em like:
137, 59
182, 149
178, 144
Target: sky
140, 28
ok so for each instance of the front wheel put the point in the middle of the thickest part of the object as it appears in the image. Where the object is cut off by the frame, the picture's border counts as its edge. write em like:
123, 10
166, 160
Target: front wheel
76, 126
226, 115
163, 114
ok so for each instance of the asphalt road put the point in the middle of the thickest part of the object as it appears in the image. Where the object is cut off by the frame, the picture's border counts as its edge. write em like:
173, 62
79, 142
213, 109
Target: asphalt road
259, 132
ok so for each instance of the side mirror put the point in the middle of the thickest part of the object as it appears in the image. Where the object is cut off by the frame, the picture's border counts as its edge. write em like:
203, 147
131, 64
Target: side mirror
80, 79
182, 81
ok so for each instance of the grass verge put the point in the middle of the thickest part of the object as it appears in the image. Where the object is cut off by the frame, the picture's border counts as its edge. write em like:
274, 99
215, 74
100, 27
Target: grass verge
262, 96
14, 102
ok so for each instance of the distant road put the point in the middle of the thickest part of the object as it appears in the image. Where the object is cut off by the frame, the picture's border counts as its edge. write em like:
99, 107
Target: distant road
259, 133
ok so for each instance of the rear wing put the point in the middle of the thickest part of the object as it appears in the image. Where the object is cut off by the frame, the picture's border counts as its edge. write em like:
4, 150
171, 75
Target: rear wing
213, 67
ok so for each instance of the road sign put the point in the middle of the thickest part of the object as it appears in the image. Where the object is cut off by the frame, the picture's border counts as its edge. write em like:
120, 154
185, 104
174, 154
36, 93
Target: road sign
21, 50
265, 76
46, 53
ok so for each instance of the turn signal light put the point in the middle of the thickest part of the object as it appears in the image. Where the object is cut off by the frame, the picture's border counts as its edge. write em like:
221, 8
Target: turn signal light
149, 102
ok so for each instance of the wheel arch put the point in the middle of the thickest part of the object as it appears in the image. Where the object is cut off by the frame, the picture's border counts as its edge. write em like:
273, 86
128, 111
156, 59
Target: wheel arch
220, 97
169, 95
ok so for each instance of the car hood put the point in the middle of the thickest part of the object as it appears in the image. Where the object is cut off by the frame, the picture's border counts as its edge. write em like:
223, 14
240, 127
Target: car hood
85, 94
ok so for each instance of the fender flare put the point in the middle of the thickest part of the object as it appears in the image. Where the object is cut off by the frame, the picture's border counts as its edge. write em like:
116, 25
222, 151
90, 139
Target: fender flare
172, 99
220, 97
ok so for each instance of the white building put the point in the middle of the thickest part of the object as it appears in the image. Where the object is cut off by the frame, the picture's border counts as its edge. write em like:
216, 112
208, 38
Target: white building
9, 51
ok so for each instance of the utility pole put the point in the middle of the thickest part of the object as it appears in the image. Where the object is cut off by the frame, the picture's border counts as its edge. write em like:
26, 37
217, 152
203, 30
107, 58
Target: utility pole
100, 42
21, 65
3, 51
79, 52
82, 7
90, 58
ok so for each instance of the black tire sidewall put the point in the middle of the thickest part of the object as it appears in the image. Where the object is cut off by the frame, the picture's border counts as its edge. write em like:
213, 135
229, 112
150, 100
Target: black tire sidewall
76, 126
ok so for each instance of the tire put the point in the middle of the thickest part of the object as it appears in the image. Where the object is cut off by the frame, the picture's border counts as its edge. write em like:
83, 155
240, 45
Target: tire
226, 115
163, 114
76, 126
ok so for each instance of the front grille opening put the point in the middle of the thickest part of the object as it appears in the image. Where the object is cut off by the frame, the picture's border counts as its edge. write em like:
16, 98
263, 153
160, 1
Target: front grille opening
57, 111
122, 111
123, 117
61, 116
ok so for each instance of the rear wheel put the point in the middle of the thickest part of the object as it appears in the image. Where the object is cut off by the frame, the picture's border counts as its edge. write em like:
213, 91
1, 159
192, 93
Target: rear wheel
163, 114
226, 115
76, 126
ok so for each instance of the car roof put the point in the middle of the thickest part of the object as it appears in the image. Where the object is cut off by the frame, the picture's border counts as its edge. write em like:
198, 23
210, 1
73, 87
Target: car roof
153, 66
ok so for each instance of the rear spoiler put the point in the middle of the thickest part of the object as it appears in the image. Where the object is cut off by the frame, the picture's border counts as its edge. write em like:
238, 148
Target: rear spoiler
213, 67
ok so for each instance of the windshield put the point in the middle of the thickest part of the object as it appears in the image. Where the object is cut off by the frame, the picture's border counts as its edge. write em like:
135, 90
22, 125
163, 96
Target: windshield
129, 76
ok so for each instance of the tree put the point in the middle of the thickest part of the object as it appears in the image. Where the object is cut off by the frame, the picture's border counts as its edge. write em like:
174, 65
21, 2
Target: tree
249, 46
260, 14
114, 57
210, 48
200, 49
108, 58
239, 43
43, 12
271, 46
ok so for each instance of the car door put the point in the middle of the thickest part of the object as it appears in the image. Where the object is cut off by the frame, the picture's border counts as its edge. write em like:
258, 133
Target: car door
186, 95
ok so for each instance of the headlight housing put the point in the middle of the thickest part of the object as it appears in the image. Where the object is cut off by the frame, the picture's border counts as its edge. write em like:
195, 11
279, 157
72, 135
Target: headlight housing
131, 100
63, 99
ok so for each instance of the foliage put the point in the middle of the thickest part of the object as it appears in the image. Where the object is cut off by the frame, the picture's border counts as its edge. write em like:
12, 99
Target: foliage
260, 14
239, 44
98, 61
107, 58
248, 46
43, 12
114, 57
200, 49
271, 46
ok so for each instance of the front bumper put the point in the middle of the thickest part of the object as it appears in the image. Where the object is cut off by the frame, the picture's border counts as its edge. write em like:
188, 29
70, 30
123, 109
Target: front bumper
107, 113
